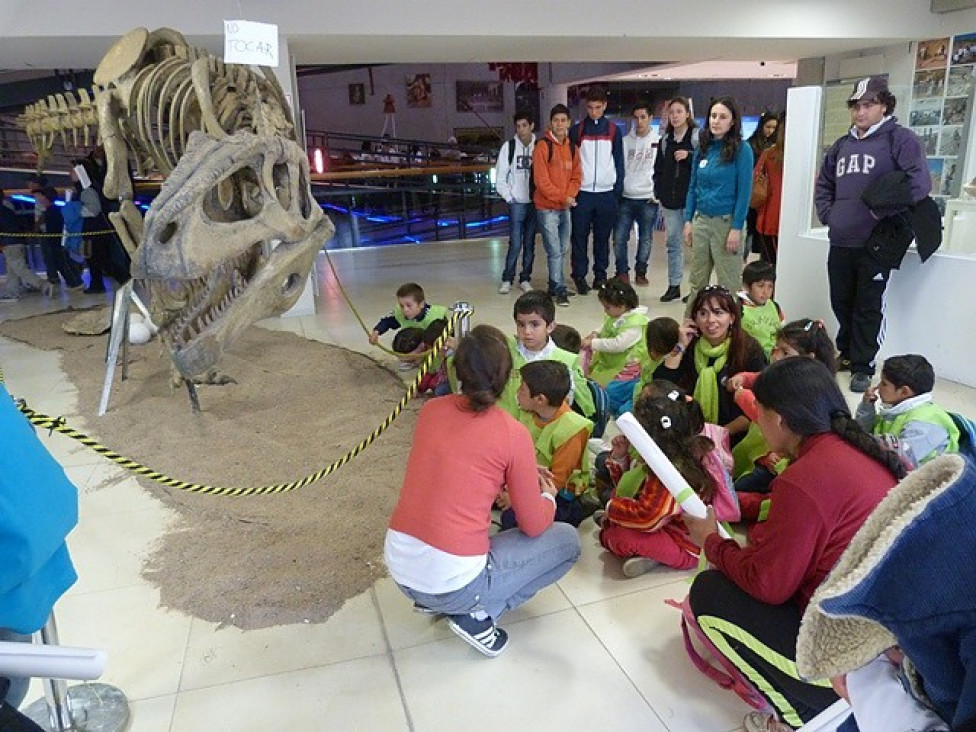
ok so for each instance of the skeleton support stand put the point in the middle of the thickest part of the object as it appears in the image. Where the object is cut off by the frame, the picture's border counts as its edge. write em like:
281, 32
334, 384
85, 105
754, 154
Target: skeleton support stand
119, 338
82, 708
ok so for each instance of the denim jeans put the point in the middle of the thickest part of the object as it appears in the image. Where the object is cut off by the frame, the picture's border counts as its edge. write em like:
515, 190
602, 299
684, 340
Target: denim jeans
555, 227
645, 214
674, 226
521, 237
598, 210
518, 567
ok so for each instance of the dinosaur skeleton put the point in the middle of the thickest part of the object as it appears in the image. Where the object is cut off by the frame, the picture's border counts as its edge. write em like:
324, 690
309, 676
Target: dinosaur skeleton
234, 231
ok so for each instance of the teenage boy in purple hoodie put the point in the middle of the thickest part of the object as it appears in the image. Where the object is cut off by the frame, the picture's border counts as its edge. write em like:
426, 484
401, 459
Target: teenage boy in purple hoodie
876, 144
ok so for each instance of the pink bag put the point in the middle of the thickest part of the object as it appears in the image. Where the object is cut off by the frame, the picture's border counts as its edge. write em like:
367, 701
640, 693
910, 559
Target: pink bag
712, 663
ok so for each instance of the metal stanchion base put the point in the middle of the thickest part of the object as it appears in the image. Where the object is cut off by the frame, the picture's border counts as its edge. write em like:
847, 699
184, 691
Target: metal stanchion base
94, 708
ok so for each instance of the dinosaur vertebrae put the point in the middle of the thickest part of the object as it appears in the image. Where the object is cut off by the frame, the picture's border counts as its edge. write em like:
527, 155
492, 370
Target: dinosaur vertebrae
169, 90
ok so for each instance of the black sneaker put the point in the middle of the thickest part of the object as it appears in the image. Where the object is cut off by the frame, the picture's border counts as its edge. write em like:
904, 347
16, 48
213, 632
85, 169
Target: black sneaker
581, 287
562, 300
685, 298
860, 383
599, 284
482, 635
672, 293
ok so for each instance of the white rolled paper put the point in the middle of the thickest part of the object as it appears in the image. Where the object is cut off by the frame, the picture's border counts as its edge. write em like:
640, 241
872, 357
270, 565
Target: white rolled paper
51, 662
663, 468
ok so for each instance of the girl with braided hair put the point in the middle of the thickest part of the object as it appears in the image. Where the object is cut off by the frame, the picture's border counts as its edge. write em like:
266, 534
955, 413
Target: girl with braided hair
750, 605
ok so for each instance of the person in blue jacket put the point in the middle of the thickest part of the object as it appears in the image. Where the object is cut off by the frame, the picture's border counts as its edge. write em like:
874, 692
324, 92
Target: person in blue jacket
718, 201
38, 507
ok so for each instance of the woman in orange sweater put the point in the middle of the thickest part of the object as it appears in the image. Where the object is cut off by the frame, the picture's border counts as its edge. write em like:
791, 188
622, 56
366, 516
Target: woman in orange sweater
465, 450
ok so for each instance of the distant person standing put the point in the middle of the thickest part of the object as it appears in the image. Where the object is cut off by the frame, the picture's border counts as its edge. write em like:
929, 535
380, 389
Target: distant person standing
875, 145
638, 202
556, 172
718, 200
513, 178
672, 174
602, 164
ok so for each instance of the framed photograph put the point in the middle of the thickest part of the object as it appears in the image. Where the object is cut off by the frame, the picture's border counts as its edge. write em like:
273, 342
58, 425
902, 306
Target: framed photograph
954, 112
418, 91
929, 137
932, 54
963, 49
950, 143
357, 94
960, 81
925, 113
929, 84
480, 96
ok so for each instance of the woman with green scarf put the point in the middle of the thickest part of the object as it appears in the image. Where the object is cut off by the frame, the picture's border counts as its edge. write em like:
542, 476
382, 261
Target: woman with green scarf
712, 347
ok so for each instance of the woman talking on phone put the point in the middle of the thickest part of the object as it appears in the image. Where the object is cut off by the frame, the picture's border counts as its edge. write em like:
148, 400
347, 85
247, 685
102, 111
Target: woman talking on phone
712, 347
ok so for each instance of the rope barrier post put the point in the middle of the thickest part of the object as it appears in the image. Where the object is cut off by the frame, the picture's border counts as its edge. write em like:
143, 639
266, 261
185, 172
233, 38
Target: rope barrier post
81, 708
464, 309
120, 332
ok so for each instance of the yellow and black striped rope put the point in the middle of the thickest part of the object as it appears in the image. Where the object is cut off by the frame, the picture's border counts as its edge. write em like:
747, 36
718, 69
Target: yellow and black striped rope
57, 424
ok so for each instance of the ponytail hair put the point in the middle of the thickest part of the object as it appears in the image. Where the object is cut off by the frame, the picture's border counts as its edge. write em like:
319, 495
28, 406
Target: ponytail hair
805, 395
483, 364
675, 427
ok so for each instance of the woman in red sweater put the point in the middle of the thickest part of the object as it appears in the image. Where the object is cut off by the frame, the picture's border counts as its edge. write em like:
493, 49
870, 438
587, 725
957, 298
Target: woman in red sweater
465, 450
750, 606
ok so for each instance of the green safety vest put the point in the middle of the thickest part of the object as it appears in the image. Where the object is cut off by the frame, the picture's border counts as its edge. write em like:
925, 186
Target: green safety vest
648, 367
762, 322
582, 397
605, 366
434, 312
551, 436
928, 412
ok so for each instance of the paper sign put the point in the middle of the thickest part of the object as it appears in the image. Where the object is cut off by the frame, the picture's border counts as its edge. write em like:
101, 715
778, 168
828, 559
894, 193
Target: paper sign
246, 42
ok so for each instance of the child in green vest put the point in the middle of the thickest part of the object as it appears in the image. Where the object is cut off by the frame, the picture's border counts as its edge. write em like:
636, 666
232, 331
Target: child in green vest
755, 466
412, 311
661, 337
906, 418
761, 315
535, 316
617, 350
560, 436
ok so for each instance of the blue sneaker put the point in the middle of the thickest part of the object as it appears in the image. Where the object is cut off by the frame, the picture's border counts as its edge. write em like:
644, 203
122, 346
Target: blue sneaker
482, 635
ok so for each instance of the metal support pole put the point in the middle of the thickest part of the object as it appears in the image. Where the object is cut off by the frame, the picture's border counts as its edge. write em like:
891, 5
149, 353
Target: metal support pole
81, 708
464, 324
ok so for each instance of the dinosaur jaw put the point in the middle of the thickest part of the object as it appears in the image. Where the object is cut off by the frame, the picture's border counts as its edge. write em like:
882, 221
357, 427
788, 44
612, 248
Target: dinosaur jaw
234, 295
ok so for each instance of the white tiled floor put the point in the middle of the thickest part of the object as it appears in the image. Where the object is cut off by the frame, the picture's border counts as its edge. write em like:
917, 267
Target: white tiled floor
596, 651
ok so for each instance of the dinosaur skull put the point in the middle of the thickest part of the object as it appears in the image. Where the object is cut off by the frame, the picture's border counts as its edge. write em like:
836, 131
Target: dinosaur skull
208, 251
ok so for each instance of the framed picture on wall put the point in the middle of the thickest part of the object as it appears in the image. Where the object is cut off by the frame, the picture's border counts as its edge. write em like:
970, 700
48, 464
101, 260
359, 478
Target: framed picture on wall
480, 96
357, 94
418, 91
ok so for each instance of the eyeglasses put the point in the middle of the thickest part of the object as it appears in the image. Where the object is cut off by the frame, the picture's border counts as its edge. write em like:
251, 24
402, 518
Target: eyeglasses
715, 288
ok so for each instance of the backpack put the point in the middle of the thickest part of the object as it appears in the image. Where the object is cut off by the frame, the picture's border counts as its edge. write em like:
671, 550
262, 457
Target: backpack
967, 435
711, 662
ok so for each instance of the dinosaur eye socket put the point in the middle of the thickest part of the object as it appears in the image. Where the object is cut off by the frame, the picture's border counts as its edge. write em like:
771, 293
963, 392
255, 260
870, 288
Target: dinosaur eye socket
237, 197
167, 233
282, 184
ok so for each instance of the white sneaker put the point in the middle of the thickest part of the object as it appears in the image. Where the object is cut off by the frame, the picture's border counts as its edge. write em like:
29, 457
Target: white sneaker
636, 566
505, 288
525, 286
